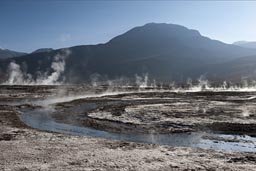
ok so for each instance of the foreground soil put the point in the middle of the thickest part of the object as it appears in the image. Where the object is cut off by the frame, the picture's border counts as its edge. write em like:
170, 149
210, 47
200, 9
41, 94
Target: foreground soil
25, 148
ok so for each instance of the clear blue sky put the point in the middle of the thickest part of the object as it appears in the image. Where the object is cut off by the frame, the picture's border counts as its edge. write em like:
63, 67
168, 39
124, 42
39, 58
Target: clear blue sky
28, 25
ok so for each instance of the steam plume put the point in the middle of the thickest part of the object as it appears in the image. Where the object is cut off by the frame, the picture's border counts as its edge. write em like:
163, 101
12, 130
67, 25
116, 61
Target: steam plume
19, 77
142, 82
16, 75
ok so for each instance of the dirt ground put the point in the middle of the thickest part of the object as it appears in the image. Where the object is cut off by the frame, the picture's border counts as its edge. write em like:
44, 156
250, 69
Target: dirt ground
164, 112
24, 148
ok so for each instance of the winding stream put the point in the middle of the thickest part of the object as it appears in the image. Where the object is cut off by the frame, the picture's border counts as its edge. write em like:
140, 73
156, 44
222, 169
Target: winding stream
41, 119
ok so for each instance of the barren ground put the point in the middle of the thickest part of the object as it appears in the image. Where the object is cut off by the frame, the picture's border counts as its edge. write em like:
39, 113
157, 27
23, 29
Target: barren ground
25, 148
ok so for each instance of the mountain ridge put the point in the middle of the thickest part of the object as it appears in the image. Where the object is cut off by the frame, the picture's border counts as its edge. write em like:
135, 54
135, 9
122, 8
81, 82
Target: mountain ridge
6, 53
167, 52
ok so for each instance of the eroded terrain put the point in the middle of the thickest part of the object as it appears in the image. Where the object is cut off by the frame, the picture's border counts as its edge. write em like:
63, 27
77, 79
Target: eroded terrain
164, 112
144, 112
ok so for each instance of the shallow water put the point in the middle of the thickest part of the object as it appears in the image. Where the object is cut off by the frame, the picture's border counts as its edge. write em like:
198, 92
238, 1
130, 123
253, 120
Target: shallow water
41, 119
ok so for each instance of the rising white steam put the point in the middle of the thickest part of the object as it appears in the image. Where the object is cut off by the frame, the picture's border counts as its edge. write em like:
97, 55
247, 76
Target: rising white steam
95, 79
58, 67
142, 82
19, 77
203, 84
16, 75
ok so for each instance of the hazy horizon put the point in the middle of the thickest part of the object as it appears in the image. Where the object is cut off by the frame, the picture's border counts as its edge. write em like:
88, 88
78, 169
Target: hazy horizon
29, 25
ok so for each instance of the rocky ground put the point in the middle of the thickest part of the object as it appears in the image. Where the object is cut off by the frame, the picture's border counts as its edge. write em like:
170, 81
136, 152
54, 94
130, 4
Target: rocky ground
164, 112
25, 148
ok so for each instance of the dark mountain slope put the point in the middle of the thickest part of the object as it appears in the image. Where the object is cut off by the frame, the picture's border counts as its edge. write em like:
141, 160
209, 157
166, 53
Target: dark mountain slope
246, 44
165, 51
5, 53
234, 70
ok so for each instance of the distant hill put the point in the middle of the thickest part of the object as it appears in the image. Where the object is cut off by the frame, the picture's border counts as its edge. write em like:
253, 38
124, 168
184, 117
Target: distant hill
5, 53
245, 44
166, 52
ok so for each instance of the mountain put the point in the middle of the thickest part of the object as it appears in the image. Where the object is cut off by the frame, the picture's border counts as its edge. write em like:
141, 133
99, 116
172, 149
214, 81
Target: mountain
166, 52
5, 53
235, 70
43, 50
245, 44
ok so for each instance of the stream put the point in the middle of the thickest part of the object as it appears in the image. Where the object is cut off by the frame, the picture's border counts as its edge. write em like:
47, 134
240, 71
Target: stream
41, 119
